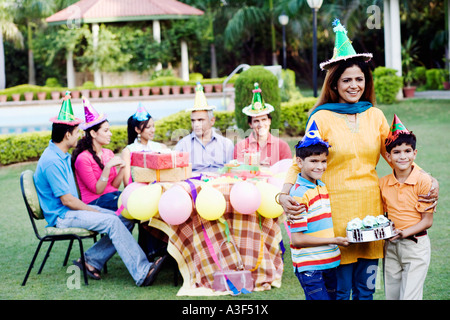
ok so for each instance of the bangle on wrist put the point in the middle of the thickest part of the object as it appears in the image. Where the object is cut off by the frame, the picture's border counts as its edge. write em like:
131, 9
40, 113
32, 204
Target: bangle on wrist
102, 178
277, 197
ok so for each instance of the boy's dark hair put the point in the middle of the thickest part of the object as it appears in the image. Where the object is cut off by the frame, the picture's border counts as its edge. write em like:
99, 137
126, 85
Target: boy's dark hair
313, 150
409, 139
249, 118
59, 130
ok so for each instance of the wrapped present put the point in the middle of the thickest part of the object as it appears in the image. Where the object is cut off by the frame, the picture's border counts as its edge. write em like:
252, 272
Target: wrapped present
252, 158
161, 175
160, 160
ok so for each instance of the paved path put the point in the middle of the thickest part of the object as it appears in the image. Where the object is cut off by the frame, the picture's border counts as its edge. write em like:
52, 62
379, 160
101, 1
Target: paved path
433, 94
28, 116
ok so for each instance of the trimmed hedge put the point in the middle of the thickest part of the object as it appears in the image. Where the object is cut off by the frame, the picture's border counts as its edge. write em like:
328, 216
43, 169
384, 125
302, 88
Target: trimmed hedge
29, 146
387, 84
244, 85
294, 115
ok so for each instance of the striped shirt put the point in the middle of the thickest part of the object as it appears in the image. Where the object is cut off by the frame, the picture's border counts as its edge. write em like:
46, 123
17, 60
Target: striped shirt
315, 222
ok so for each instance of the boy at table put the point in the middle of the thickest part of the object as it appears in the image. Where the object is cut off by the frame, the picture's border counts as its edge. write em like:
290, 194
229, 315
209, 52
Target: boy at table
208, 149
260, 140
314, 247
58, 197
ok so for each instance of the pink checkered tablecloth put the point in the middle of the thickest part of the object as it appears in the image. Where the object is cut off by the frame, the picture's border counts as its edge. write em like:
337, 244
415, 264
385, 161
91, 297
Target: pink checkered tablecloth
188, 246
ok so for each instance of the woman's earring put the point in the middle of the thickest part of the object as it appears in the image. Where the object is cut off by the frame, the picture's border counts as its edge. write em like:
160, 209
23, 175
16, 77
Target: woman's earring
139, 137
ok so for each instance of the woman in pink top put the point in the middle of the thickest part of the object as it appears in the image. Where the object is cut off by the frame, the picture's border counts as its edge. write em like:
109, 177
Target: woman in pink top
98, 171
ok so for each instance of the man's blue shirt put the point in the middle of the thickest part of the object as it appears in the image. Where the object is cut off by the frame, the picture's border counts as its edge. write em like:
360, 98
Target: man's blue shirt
54, 178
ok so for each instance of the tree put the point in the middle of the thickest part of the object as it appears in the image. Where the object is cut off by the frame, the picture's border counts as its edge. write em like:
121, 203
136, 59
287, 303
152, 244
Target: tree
10, 31
31, 14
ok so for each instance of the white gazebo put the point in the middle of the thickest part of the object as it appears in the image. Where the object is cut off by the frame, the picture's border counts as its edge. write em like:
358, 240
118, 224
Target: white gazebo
105, 11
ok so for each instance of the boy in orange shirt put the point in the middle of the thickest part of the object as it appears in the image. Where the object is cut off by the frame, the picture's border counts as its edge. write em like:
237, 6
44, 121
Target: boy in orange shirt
408, 253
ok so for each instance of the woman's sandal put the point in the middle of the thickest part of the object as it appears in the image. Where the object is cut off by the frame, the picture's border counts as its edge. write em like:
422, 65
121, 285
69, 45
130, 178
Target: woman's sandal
153, 272
94, 274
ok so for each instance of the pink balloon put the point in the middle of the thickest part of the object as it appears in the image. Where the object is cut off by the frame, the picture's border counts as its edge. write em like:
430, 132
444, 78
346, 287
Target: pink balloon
128, 190
175, 206
245, 197
281, 166
278, 182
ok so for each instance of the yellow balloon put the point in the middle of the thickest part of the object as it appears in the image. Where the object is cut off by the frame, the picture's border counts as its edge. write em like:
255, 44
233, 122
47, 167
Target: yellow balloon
268, 207
143, 202
210, 203
124, 212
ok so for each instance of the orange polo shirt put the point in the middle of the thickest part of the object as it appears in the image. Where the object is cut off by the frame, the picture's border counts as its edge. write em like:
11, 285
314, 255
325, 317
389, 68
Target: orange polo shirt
401, 200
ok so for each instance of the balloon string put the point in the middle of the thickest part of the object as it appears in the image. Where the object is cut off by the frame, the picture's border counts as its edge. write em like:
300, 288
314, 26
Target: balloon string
227, 228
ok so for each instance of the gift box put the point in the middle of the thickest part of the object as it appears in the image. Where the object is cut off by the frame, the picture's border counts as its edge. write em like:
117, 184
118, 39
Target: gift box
160, 160
161, 175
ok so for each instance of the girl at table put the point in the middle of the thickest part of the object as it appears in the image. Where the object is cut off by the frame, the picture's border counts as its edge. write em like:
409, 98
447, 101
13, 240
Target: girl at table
141, 131
98, 171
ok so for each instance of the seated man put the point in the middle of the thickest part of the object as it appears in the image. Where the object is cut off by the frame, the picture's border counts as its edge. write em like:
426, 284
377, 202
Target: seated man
58, 197
208, 150
271, 149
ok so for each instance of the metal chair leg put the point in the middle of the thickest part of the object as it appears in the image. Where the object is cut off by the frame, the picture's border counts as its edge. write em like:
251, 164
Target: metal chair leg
83, 261
32, 263
69, 249
47, 254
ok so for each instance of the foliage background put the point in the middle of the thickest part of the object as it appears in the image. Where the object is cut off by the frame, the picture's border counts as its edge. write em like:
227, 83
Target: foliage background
236, 31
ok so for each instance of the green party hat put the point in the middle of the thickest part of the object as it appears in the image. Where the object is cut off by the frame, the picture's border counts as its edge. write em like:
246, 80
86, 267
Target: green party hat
343, 48
66, 115
258, 106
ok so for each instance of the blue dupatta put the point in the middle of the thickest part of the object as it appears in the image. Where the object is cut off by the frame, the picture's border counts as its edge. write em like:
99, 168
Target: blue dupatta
343, 108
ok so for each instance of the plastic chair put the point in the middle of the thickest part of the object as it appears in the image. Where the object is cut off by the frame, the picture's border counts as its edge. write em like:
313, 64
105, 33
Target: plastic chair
51, 234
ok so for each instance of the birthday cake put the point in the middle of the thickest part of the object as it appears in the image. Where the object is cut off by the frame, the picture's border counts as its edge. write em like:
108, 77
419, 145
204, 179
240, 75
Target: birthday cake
370, 229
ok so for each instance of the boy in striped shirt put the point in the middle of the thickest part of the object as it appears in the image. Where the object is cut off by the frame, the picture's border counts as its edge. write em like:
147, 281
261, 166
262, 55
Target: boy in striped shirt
314, 247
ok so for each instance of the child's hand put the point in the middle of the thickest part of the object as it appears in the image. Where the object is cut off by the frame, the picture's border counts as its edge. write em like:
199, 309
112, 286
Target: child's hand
399, 235
342, 241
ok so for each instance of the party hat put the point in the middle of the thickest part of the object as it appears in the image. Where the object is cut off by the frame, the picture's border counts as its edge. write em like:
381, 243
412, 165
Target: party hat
396, 129
91, 115
258, 106
312, 137
200, 103
141, 113
66, 115
343, 48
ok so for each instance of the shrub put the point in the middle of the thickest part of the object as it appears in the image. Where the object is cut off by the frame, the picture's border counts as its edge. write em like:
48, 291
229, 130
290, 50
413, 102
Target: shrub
163, 81
419, 75
22, 147
434, 79
88, 85
29, 146
387, 84
294, 115
195, 76
244, 85
289, 91
52, 82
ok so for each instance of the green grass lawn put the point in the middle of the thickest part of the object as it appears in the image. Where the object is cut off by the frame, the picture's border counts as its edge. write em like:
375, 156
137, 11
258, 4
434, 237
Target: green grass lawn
429, 119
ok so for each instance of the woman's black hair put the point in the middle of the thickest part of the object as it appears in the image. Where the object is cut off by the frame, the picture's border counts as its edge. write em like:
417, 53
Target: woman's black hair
132, 123
85, 143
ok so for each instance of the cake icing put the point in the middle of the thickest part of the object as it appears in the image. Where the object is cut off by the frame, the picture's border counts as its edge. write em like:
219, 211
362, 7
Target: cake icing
370, 228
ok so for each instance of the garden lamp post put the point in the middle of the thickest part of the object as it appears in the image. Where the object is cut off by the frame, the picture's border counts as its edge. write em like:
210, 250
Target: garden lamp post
284, 20
315, 6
